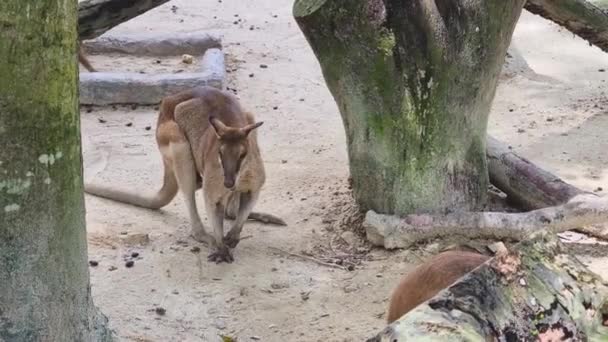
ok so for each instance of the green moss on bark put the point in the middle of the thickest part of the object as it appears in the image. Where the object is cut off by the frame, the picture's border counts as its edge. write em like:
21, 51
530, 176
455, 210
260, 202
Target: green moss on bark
43, 254
414, 94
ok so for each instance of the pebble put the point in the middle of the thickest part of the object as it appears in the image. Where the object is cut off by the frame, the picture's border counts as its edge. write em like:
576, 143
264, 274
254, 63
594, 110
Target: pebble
263, 66
195, 249
93, 263
187, 59
129, 124
129, 263
101, 120
134, 255
148, 128
251, 75
112, 268
160, 311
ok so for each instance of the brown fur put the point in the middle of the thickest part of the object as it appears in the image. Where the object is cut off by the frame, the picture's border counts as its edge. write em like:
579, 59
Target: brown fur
428, 279
82, 58
206, 139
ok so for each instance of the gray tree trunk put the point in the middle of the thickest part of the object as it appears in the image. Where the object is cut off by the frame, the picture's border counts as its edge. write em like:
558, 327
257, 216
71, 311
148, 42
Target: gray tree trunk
535, 292
414, 82
585, 18
44, 279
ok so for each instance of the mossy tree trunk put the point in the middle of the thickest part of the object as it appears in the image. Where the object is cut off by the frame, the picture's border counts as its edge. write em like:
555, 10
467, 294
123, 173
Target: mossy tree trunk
44, 279
414, 82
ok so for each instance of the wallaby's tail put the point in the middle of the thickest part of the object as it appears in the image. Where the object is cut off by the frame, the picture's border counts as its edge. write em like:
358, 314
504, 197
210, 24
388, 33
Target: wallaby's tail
157, 201
262, 217
85, 61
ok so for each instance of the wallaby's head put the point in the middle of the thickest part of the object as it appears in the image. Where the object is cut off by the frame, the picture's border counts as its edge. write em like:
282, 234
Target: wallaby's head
233, 148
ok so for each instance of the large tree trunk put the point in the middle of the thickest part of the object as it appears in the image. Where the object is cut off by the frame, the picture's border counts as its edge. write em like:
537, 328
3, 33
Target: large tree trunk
95, 17
44, 279
585, 18
414, 81
531, 294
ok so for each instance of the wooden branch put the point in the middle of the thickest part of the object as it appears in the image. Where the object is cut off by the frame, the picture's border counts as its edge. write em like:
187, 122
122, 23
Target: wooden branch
95, 17
394, 232
529, 294
587, 19
527, 185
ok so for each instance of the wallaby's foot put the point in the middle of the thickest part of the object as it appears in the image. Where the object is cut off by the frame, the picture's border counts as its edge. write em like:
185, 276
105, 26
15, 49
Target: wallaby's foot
222, 254
231, 240
200, 236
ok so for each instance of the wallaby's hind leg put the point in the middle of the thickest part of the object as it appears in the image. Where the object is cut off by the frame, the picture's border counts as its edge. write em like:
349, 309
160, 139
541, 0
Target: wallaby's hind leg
246, 202
215, 214
185, 172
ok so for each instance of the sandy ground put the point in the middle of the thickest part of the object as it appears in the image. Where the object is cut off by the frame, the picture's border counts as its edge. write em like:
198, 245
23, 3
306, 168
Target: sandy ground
557, 117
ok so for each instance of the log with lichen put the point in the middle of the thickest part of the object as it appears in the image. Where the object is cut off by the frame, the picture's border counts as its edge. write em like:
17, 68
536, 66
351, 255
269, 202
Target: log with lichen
585, 18
95, 17
532, 293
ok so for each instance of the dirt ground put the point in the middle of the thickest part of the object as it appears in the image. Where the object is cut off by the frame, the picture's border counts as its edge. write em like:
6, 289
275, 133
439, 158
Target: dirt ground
557, 115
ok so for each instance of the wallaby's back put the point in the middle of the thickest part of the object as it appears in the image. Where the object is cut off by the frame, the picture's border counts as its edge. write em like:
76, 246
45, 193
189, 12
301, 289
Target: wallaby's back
434, 275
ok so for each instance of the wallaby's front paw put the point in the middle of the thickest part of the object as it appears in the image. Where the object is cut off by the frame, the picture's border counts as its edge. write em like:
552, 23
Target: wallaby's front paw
221, 255
231, 241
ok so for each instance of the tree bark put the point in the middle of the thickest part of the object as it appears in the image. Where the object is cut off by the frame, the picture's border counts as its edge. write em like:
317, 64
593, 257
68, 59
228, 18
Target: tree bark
44, 279
95, 17
526, 185
528, 295
585, 18
414, 81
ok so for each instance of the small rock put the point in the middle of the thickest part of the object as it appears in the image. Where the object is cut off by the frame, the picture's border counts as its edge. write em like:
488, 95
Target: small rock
174, 9
187, 59
129, 124
158, 61
599, 188
160, 311
350, 288
195, 249
278, 286
175, 292
275, 107
274, 269
134, 239
302, 100
305, 295
129, 264
251, 75
283, 161
549, 119
520, 130
601, 70
351, 268
101, 120
251, 28
220, 324
263, 66
497, 247
522, 282
511, 109
148, 128
93, 263
324, 315
255, 338
236, 22
112, 268
134, 255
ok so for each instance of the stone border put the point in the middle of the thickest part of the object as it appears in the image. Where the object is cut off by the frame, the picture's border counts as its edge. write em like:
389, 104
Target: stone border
105, 88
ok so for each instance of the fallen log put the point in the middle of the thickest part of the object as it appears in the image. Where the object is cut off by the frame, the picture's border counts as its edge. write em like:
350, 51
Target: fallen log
526, 185
535, 293
394, 232
587, 19
95, 17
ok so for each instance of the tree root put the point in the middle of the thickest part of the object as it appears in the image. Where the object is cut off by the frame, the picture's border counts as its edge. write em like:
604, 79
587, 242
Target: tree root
393, 232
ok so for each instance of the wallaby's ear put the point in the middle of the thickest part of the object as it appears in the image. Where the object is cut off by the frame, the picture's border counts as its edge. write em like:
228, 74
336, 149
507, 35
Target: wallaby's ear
247, 129
217, 125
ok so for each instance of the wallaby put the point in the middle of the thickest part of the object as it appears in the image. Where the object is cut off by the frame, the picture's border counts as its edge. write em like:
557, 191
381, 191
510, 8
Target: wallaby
82, 58
426, 280
206, 140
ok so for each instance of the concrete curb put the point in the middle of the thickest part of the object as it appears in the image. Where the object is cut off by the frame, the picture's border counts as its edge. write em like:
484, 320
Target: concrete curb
192, 43
104, 88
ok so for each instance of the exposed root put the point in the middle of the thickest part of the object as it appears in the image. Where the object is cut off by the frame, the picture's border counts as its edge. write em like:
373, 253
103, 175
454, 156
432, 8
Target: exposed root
393, 232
